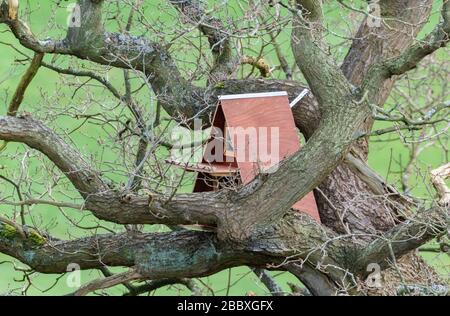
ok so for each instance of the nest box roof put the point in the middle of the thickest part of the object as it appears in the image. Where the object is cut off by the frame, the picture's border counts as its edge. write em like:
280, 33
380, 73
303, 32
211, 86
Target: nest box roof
267, 116
270, 117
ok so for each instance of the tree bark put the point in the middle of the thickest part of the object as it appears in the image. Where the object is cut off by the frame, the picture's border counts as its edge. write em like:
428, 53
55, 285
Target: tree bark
345, 199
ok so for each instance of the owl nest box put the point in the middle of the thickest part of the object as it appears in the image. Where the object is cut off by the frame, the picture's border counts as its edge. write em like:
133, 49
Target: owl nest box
251, 134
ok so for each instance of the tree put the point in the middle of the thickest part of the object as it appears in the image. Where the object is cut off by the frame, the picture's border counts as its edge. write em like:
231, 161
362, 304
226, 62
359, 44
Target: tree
173, 71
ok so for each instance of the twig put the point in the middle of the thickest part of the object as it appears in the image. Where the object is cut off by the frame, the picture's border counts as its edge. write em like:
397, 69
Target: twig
269, 282
24, 83
281, 58
43, 202
19, 195
106, 273
21, 88
154, 285
107, 282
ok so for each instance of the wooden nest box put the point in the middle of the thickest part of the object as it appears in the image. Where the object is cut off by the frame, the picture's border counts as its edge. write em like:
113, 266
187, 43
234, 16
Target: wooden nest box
251, 133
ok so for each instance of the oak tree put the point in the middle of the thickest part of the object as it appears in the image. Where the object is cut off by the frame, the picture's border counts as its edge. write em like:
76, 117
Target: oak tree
131, 71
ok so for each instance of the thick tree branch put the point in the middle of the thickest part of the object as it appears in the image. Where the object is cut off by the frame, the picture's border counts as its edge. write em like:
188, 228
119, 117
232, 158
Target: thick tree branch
310, 51
295, 240
410, 57
190, 254
25, 81
105, 202
405, 237
401, 22
70, 162
90, 41
317, 283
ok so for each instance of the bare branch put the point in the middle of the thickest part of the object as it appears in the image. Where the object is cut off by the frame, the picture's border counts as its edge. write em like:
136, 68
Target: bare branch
154, 285
269, 282
310, 50
405, 237
101, 199
24, 82
214, 30
69, 161
119, 50
107, 282
412, 56
316, 282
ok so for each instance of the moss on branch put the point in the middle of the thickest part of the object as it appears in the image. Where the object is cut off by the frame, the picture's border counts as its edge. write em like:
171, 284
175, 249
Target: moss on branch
7, 231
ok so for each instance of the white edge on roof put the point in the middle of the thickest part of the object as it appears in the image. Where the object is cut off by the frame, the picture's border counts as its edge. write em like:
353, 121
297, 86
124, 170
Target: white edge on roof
253, 95
299, 98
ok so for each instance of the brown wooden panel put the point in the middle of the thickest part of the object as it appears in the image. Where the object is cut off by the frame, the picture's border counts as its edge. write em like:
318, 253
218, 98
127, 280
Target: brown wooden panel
267, 112
256, 113
201, 182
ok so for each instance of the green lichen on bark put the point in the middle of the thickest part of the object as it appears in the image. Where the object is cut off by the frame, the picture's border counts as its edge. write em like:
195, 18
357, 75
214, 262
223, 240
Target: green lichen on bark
219, 85
7, 231
35, 239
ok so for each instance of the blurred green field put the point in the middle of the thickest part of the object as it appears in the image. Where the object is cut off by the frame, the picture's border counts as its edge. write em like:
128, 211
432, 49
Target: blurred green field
384, 156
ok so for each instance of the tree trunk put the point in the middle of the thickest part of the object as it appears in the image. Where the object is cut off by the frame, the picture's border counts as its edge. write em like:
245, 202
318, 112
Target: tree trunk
347, 202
